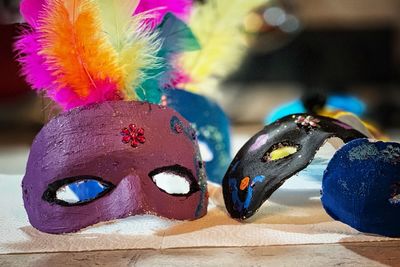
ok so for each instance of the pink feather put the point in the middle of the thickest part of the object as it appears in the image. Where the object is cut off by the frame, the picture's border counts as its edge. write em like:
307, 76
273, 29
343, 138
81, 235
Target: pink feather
30, 10
177, 76
68, 99
41, 75
180, 78
33, 64
156, 9
38, 75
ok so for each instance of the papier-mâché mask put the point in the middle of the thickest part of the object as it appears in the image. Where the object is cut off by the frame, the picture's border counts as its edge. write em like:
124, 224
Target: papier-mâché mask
211, 125
273, 155
142, 158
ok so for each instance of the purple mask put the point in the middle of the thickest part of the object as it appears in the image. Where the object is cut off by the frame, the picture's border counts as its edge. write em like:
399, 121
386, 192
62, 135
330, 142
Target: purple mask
135, 158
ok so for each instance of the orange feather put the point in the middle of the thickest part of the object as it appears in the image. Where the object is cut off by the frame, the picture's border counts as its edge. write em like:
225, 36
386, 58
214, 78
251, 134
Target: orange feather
76, 50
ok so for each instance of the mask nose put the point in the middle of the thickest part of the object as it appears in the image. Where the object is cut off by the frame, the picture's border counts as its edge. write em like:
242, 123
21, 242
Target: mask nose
128, 195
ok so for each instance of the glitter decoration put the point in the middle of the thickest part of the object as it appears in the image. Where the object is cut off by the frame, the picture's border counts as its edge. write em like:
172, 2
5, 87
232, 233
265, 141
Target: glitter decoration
363, 152
133, 135
308, 121
213, 135
391, 154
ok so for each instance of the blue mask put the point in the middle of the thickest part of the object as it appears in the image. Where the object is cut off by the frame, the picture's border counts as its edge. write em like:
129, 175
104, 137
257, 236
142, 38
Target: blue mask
361, 187
212, 126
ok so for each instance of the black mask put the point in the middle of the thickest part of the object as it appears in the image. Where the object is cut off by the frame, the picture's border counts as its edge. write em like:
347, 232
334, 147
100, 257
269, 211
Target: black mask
273, 155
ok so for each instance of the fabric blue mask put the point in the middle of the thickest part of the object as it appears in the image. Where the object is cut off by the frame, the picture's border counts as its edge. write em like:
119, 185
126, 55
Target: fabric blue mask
361, 187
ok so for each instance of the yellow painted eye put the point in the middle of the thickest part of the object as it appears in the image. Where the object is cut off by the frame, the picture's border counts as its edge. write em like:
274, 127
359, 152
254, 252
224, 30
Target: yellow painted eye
280, 151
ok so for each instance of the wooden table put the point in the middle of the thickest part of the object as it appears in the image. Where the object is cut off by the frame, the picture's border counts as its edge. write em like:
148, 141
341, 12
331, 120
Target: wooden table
348, 254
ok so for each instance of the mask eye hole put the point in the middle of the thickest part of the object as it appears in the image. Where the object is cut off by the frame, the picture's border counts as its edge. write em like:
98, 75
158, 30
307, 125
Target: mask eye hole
171, 183
206, 153
175, 180
280, 151
75, 191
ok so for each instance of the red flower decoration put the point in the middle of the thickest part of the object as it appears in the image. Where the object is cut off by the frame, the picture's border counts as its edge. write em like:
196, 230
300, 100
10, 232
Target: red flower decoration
133, 135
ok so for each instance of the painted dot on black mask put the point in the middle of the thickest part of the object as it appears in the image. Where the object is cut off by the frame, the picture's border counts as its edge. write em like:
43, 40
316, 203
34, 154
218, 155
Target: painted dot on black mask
280, 151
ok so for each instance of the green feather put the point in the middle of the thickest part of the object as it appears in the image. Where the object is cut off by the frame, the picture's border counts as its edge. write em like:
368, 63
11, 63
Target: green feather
176, 37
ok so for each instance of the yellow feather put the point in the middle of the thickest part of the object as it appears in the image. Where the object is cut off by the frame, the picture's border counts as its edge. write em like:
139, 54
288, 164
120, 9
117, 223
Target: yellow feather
135, 44
217, 25
117, 20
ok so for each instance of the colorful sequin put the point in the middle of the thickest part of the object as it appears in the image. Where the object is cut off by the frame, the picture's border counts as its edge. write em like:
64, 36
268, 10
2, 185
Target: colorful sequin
133, 135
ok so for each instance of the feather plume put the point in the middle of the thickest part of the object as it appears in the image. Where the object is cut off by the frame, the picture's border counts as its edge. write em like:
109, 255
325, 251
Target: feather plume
176, 37
34, 66
117, 22
76, 51
217, 26
86, 51
157, 9
135, 44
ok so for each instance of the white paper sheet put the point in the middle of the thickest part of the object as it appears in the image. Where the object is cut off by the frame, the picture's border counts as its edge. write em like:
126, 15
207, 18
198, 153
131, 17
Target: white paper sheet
293, 215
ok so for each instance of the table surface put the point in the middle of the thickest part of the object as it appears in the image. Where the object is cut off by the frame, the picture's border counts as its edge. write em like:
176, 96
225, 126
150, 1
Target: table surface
349, 254
343, 254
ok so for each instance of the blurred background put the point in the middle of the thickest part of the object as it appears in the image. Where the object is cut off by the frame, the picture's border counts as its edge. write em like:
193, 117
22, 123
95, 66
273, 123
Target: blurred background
295, 47
337, 47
